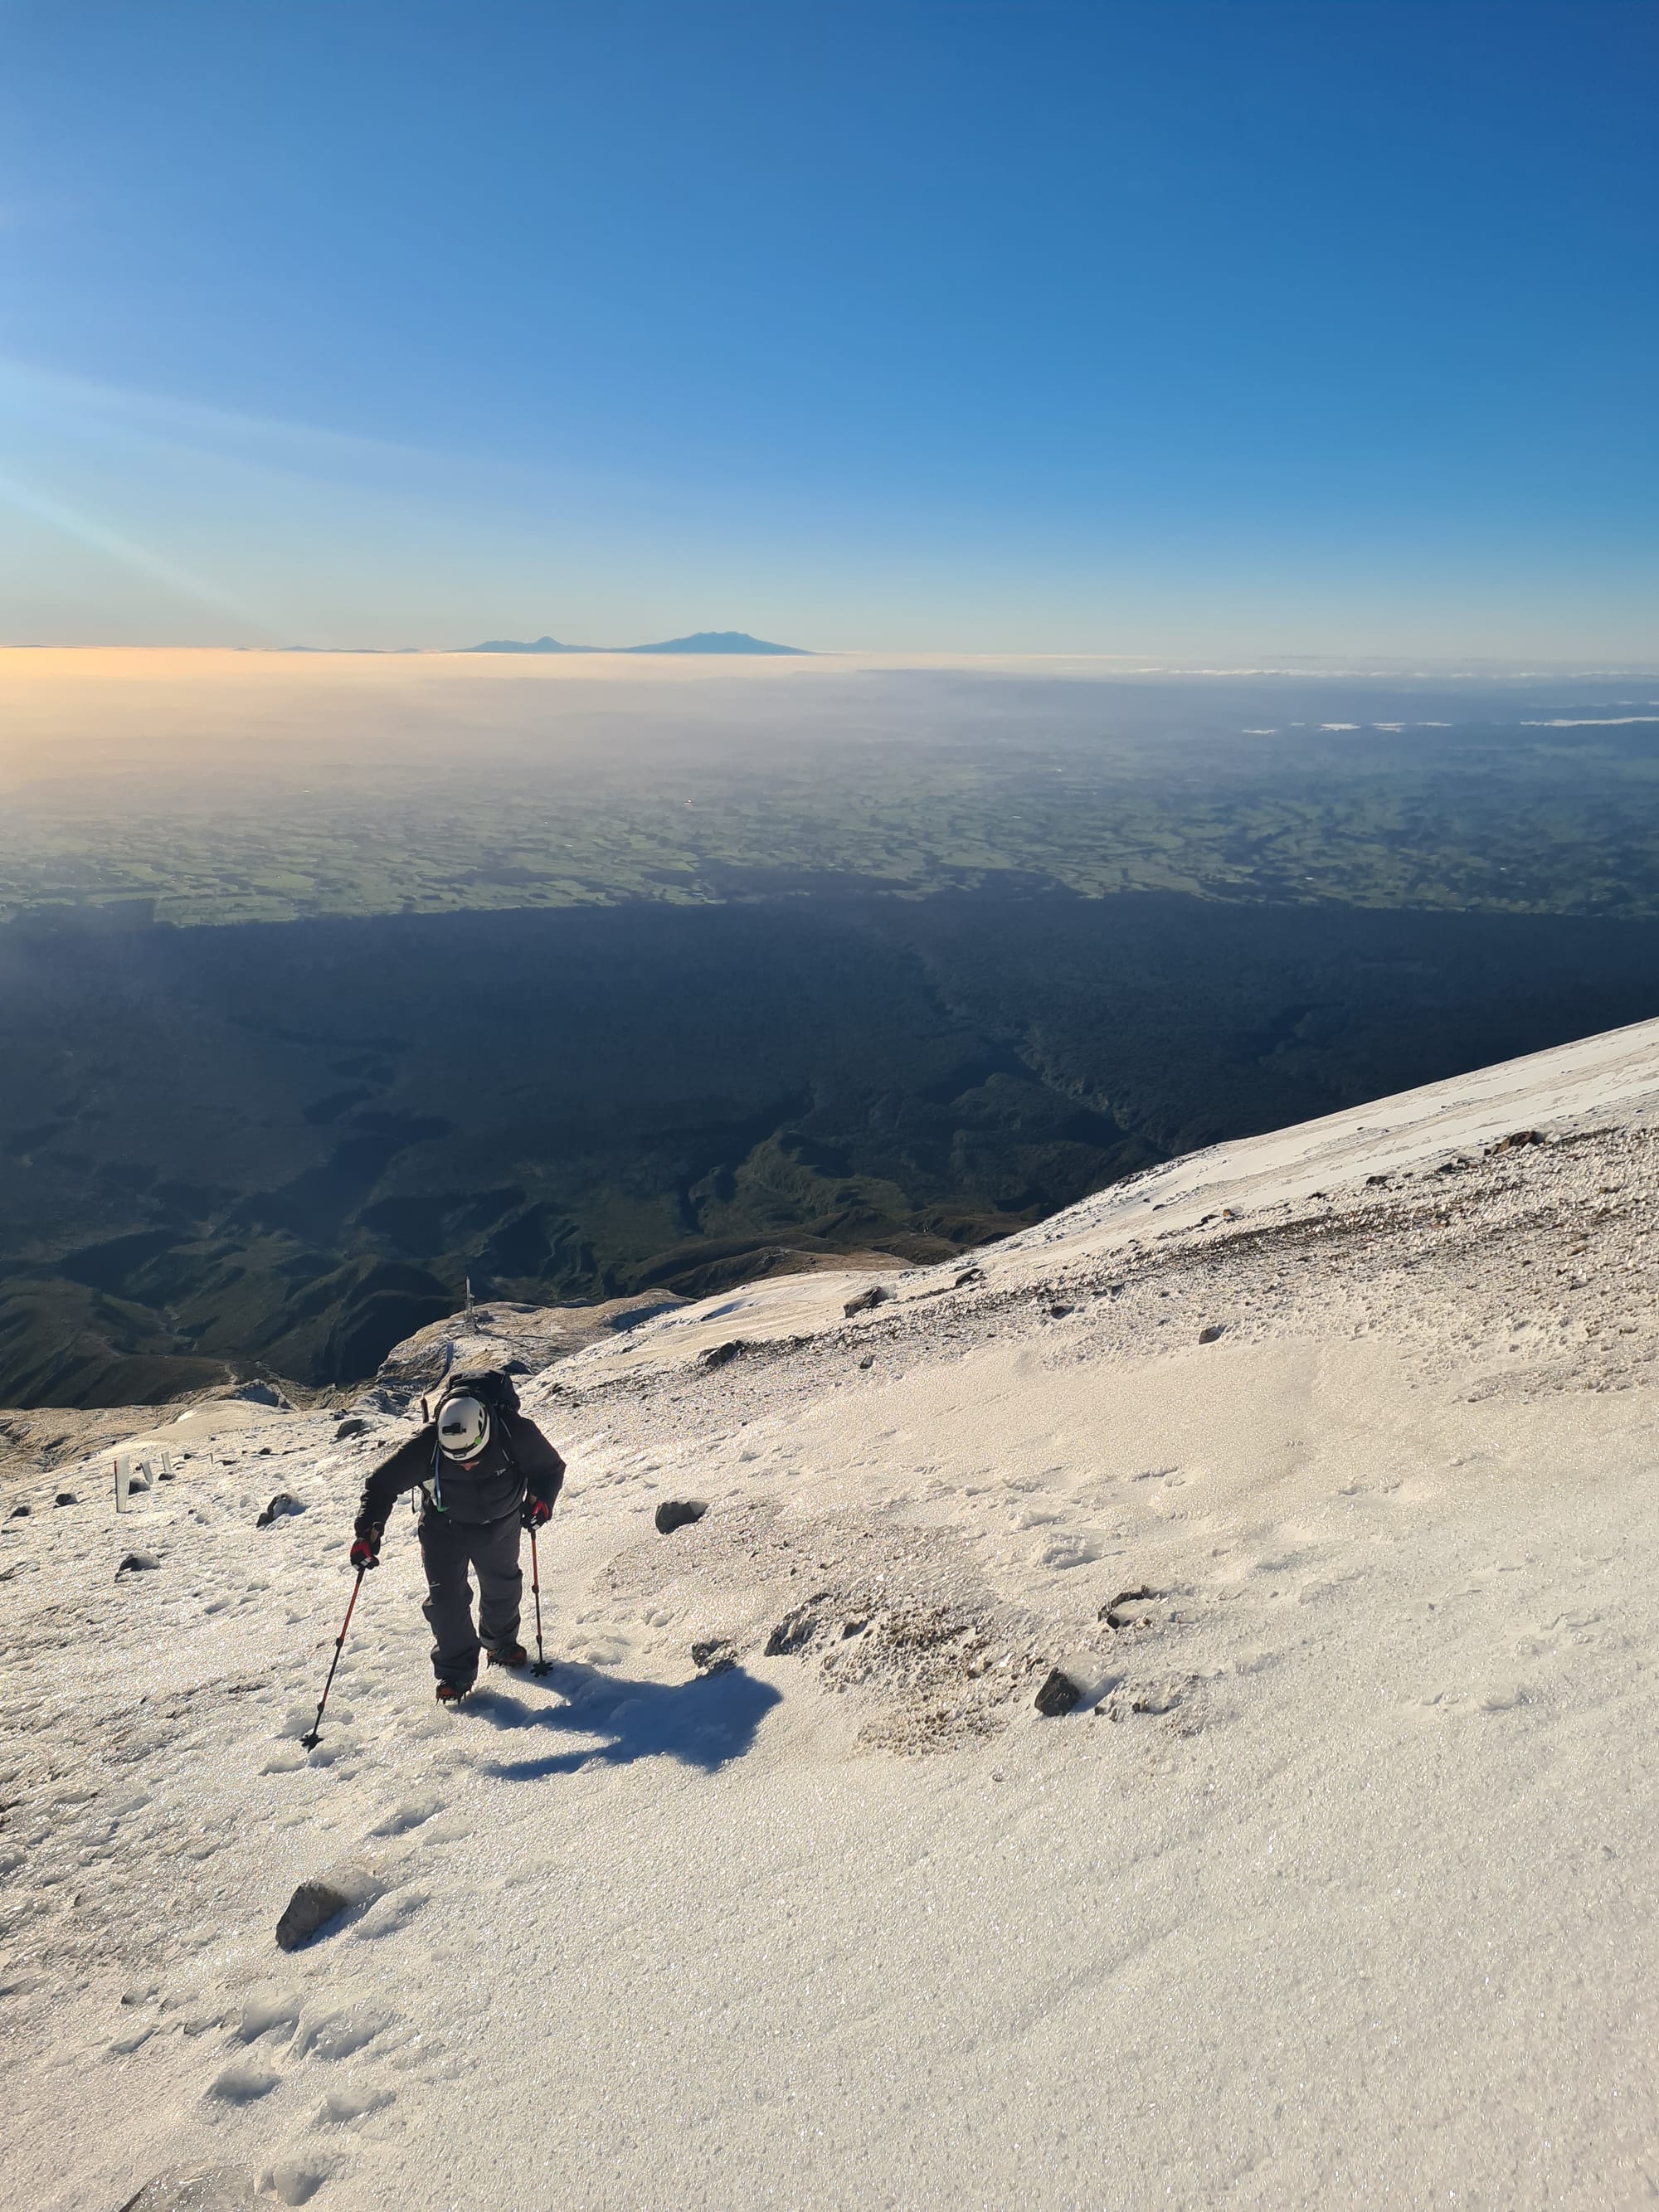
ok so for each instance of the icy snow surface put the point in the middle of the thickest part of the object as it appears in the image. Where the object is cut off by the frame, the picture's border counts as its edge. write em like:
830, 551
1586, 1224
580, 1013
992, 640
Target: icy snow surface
1335, 1887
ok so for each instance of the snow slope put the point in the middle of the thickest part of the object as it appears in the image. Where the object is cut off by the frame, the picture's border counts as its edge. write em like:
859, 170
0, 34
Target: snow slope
1334, 1887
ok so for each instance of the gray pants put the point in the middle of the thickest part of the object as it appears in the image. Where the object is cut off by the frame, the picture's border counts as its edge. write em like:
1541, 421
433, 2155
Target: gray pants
447, 1548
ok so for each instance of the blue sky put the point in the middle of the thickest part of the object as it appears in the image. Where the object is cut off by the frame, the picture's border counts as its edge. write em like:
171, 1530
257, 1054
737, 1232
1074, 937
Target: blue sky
1171, 327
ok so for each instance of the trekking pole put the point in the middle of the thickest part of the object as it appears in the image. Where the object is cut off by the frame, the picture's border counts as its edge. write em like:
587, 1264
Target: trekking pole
310, 1741
541, 1666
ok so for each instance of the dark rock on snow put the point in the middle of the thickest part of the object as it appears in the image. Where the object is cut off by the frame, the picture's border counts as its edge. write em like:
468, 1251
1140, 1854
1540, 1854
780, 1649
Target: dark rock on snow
1058, 1695
18, 1513
354, 1426
64, 1498
1515, 1140
1212, 1334
312, 1905
278, 1509
867, 1300
718, 1354
678, 1513
713, 1655
137, 1563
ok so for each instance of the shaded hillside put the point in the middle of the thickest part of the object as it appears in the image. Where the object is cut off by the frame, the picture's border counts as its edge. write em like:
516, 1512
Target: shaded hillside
244, 1147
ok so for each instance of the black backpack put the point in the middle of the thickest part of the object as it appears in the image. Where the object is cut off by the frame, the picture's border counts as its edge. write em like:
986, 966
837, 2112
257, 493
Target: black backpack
494, 1387
491, 1386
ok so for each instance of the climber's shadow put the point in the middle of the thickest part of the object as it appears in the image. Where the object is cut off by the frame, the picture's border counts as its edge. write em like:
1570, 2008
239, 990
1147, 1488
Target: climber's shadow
705, 1722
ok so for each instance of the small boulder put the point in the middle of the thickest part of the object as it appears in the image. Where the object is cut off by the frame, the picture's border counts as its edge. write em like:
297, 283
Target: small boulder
866, 1301
868, 1360
279, 1507
19, 1513
516, 1367
136, 1563
354, 1425
1060, 1312
64, 1498
1212, 1334
312, 1906
1516, 1140
968, 1277
1058, 1695
679, 1513
714, 1656
719, 1355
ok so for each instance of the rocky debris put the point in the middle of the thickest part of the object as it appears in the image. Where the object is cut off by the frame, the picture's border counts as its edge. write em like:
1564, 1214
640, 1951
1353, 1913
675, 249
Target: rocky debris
136, 1563
1058, 1695
1110, 1613
792, 1633
501, 1335
263, 1394
968, 1277
1515, 1141
312, 1906
679, 1513
279, 1507
866, 1301
714, 1656
1212, 1334
720, 1355
353, 1425
65, 1498
1376, 1181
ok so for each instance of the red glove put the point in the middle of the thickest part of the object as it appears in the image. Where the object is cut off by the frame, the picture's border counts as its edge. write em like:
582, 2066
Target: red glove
365, 1552
536, 1513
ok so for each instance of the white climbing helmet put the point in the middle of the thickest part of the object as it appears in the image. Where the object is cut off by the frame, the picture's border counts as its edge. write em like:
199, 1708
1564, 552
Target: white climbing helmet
463, 1426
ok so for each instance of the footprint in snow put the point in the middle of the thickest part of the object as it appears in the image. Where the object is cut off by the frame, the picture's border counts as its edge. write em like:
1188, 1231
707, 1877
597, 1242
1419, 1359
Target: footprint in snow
243, 2082
345, 2107
260, 2014
336, 2035
296, 2180
410, 1814
392, 1914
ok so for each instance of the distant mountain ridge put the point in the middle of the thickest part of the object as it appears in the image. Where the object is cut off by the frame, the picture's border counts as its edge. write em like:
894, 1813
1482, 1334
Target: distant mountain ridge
702, 640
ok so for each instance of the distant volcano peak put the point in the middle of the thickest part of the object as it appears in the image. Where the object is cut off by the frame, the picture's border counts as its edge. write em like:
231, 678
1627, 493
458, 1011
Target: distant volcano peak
702, 640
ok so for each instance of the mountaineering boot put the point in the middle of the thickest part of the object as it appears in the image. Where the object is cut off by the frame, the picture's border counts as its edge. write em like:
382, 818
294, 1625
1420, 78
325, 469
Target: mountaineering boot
450, 1694
507, 1655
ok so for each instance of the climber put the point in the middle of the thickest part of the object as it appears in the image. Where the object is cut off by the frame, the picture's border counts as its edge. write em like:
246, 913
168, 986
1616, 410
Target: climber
486, 1471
